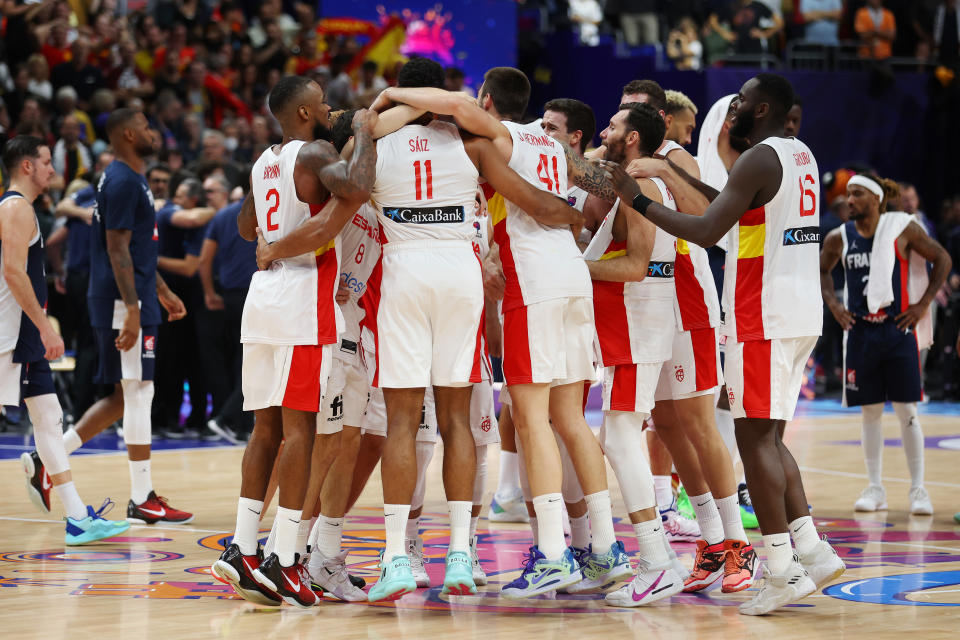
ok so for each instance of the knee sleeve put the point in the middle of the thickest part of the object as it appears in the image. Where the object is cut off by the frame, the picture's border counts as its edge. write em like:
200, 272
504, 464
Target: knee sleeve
480, 478
137, 398
912, 436
873, 413
424, 456
622, 440
47, 418
572, 493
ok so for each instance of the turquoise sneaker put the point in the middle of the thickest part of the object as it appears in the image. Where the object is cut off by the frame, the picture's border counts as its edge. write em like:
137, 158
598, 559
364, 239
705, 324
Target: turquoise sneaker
541, 575
396, 580
458, 578
94, 527
601, 570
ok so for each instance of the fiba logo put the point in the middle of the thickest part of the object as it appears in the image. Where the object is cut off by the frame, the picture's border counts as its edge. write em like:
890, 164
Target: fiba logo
485, 424
149, 342
679, 373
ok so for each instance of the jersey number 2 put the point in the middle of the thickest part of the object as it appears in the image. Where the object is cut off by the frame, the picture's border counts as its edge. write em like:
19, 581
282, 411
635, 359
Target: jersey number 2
806, 194
543, 172
428, 170
275, 196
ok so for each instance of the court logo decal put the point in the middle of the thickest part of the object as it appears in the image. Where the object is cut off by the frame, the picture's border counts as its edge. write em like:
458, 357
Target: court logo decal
95, 556
913, 589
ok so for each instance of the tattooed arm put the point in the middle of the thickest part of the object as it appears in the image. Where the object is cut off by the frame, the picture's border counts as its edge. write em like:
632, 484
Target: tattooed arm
588, 176
319, 162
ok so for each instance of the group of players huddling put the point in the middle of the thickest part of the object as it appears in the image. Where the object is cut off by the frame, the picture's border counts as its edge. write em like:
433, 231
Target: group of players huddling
399, 246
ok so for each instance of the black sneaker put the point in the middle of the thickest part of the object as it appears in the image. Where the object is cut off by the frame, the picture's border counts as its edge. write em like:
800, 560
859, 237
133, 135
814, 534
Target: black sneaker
38, 480
743, 495
357, 581
290, 583
236, 569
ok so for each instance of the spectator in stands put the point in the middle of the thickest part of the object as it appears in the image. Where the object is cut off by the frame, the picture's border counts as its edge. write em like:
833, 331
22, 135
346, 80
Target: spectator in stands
910, 203
71, 158
39, 84
684, 46
372, 83
946, 33
638, 19
794, 118
588, 15
273, 54
877, 29
822, 20
454, 81
214, 153
339, 92
741, 24
66, 104
78, 73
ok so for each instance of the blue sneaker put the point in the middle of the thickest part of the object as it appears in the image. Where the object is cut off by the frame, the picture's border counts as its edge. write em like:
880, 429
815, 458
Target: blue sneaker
458, 578
601, 570
94, 527
396, 580
542, 576
509, 508
580, 555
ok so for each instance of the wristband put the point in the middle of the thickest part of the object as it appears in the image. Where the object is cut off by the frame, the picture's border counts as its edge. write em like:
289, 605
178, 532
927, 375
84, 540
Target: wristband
641, 202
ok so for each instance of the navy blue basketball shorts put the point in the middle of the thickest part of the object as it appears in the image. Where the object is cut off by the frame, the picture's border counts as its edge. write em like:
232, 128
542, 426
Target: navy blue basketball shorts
137, 363
881, 364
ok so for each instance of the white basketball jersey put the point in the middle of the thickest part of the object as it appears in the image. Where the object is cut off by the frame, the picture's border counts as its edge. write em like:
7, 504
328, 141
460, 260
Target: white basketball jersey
359, 249
292, 303
771, 285
539, 262
426, 184
10, 312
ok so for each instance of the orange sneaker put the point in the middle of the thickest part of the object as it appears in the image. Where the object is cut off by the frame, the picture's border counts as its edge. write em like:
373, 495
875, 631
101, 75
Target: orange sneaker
707, 568
739, 566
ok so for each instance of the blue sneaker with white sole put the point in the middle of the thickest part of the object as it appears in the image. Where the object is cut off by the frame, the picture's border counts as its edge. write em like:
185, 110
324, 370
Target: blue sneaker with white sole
601, 570
94, 527
541, 575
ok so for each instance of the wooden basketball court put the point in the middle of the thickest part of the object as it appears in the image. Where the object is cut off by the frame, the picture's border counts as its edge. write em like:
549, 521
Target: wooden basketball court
903, 572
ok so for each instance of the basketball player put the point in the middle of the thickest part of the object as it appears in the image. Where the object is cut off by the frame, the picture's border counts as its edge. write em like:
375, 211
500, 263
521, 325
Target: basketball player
548, 328
882, 315
773, 320
29, 341
680, 116
286, 364
416, 245
124, 297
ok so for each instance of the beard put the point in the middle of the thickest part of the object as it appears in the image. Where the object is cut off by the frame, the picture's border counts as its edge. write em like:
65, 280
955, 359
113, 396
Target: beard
739, 144
856, 214
321, 131
616, 151
145, 148
742, 126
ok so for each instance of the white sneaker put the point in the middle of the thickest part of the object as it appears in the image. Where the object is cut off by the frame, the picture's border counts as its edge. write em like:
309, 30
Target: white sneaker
679, 528
920, 504
678, 566
778, 591
823, 565
873, 498
479, 576
415, 553
649, 585
509, 508
331, 574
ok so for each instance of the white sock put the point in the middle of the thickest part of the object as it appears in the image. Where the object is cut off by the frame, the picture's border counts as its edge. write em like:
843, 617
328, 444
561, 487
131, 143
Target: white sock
474, 522
72, 504
460, 524
601, 520
303, 535
912, 436
663, 487
141, 483
729, 509
728, 433
779, 552
535, 530
288, 526
248, 525
650, 540
804, 534
395, 523
580, 532
508, 483
708, 517
329, 535
71, 440
412, 529
271, 543
549, 508
872, 437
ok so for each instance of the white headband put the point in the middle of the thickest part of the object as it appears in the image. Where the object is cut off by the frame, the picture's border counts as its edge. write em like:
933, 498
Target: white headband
867, 183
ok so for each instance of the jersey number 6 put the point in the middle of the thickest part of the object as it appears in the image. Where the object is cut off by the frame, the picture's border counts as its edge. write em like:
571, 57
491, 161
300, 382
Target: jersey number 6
805, 194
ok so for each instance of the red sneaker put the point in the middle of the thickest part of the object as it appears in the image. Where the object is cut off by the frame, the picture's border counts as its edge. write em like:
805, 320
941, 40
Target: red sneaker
290, 583
707, 568
739, 566
156, 509
236, 569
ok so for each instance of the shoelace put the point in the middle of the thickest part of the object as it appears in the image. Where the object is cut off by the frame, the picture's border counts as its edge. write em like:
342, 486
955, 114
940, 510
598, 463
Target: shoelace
529, 560
104, 508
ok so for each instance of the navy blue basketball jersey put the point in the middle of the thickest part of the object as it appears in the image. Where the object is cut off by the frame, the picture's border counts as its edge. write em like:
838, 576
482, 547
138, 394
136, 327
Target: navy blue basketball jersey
856, 266
124, 202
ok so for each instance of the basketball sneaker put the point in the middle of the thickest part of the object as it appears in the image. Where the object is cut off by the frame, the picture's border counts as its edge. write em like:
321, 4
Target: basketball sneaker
236, 569
458, 575
677, 527
417, 562
479, 575
684, 507
920, 504
600, 570
678, 566
747, 515
739, 566
330, 574
156, 509
94, 527
580, 555
510, 508
38, 480
541, 575
649, 585
873, 498
291, 583
823, 565
780, 590
396, 580
708, 566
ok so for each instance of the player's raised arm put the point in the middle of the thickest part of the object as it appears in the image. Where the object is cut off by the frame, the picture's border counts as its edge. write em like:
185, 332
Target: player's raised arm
588, 175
